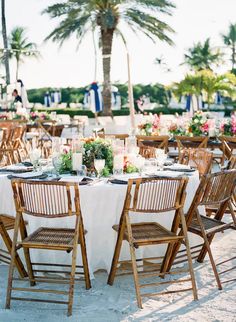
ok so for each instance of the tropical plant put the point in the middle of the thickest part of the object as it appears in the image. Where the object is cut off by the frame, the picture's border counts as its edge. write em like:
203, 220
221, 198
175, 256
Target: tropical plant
212, 83
82, 16
230, 41
190, 85
5, 42
202, 56
21, 46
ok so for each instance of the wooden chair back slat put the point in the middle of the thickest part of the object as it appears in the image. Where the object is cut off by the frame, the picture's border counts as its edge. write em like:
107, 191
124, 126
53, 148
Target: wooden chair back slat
156, 141
156, 195
188, 142
201, 159
215, 188
45, 199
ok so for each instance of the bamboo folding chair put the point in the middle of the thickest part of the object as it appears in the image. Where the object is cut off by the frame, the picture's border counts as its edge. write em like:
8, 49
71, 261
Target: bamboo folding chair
7, 223
228, 146
48, 200
191, 142
157, 141
115, 136
214, 189
146, 151
211, 210
154, 196
201, 159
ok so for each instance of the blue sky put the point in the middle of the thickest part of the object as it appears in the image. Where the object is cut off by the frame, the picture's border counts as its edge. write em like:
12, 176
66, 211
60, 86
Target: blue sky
193, 20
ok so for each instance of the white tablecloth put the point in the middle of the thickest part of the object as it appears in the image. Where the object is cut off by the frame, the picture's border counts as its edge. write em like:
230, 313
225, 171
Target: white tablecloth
101, 206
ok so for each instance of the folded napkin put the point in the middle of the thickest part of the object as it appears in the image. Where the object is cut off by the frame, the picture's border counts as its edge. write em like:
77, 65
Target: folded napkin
15, 168
27, 175
117, 181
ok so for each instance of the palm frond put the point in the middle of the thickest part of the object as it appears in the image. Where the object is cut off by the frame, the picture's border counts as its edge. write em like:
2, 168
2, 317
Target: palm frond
149, 25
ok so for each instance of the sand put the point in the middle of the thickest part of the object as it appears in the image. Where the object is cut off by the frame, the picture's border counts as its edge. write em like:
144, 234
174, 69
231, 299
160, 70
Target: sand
104, 303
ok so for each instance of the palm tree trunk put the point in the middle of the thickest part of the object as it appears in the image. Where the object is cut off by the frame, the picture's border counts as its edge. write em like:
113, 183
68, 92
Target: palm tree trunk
5, 42
107, 38
17, 68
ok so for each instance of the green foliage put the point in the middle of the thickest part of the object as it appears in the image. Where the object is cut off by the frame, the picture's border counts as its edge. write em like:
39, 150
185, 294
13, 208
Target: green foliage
230, 41
157, 93
98, 149
21, 46
202, 56
66, 162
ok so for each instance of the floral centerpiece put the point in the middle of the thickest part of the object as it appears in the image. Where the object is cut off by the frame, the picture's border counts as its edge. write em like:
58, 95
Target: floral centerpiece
41, 116
92, 149
177, 129
150, 127
96, 149
199, 124
228, 127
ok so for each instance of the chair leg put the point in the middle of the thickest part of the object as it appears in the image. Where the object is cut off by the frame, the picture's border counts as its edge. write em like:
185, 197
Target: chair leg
12, 264
116, 256
190, 262
135, 273
7, 241
29, 266
72, 281
85, 260
208, 249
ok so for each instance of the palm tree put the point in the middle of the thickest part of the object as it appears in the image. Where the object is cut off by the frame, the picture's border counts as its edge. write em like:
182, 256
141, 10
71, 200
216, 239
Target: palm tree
230, 41
212, 83
81, 16
5, 42
190, 85
21, 47
202, 56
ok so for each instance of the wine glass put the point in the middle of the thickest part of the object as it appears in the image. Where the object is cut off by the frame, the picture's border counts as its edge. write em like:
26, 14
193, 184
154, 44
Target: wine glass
57, 163
99, 165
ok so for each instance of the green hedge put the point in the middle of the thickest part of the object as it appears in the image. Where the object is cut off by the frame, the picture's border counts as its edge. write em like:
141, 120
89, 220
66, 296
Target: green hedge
124, 111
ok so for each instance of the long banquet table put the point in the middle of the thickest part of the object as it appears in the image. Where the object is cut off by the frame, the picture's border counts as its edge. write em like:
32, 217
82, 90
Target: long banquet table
101, 206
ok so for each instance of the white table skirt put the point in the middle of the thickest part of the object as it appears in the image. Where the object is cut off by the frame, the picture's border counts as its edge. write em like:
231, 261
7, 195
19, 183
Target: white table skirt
101, 207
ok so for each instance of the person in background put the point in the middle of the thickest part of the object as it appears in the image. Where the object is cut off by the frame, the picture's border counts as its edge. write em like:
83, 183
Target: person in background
17, 96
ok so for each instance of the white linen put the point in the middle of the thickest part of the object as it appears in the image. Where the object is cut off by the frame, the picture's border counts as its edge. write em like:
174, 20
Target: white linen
101, 206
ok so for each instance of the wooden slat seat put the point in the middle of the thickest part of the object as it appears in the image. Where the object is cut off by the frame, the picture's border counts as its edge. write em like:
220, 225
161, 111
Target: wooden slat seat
51, 237
211, 225
8, 221
149, 232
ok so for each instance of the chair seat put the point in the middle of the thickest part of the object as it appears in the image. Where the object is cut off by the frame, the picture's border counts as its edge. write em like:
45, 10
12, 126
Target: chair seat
211, 225
8, 221
149, 232
50, 238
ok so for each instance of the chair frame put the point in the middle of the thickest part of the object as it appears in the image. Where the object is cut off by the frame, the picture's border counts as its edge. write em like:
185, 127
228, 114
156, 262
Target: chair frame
125, 224
157, 141
7, 223
200, 157
26, 205
193, 213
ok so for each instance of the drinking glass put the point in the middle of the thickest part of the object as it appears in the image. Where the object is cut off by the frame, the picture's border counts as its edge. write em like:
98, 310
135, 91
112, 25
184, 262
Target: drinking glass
150, 166
99, 165
161, 159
